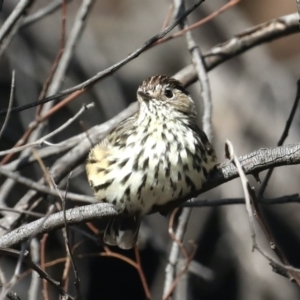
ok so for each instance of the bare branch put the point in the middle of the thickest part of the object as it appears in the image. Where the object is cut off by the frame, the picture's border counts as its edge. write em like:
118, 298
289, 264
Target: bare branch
43, 140
205, 97
31, 264
41, 13
231, 201
67, 240
11, 99
33, 291
19, 11
242, 42
249, 193
113, 68
263, 33
75, 34
42, 188
256, 161
283, 137
56, 221
298, 8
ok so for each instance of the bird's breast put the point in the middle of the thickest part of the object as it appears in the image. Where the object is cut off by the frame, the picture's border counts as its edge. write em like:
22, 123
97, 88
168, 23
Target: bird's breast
157, 164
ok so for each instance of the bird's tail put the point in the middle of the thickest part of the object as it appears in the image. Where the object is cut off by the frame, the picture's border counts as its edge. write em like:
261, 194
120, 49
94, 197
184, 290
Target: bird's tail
122, 232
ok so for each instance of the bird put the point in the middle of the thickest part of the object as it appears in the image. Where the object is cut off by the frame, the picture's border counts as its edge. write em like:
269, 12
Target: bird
157, 155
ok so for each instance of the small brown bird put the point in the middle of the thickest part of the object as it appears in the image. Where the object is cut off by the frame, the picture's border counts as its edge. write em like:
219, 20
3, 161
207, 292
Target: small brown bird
152, 158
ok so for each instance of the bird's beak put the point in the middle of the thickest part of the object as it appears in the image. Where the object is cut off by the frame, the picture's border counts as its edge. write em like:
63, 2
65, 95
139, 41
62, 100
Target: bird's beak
144, 96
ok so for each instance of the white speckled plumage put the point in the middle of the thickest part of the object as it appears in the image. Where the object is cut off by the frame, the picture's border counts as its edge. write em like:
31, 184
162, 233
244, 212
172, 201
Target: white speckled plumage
151, 158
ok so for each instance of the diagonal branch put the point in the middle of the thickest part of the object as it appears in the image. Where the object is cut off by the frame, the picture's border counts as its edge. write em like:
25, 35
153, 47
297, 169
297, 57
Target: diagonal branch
88, 83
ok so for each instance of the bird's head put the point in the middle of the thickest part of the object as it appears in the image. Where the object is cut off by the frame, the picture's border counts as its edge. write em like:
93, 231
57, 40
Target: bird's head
163, 92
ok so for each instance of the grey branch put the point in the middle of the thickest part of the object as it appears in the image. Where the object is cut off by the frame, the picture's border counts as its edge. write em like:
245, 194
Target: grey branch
42, 13
252, 163
113, 68
39, 187
56, 221
242, 42
19, 11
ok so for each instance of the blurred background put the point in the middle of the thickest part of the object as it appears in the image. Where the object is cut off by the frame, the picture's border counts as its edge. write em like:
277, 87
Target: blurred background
252, 98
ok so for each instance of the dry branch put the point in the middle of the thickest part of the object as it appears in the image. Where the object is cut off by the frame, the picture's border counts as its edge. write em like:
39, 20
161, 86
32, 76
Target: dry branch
252, 163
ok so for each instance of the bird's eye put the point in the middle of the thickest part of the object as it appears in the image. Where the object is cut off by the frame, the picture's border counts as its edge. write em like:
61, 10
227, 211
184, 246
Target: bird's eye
169, 93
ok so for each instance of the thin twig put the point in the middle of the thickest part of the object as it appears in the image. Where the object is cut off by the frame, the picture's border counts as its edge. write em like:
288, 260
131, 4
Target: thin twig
201, 22
18, 12
33, 291
205, 96
298, 8
74, 37
181, 273
10, 36
245, 184
283, 137
11, 99
24, 247
33, 133
103, 74
22, 255
262, 33
35, 129
233, 201
168, 16
242, 42
95, 134
43, 274
67, 240
42, 188
62, 165
43, 263
283, 266
43, 140
42, 13
141, 273
25, 212
170, 269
